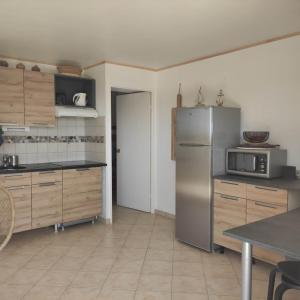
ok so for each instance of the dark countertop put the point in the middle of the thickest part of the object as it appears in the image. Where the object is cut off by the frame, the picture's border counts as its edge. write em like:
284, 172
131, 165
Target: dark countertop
280, 233
53, 166
280, 183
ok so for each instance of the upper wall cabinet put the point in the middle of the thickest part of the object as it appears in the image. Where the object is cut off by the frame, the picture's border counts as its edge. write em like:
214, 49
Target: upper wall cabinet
39, 99
11, 96
67, 86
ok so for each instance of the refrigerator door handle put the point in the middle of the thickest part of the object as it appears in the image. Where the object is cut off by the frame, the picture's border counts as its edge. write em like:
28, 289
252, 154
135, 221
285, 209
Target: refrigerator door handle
193, 145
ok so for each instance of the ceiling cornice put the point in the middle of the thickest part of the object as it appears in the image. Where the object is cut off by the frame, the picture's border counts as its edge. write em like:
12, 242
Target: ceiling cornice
251, 45
267, 41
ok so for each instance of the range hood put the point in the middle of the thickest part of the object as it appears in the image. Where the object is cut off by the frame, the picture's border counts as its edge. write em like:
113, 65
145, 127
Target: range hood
82, 112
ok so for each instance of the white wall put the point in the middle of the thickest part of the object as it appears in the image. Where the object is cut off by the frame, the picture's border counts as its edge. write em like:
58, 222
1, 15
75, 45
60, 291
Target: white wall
263, 81
110, 76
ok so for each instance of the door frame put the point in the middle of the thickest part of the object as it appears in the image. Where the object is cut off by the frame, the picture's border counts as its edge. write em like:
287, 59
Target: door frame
108, 153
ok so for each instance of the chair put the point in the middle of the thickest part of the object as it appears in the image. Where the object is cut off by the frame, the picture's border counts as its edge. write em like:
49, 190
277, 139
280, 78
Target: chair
290, 279
7, 217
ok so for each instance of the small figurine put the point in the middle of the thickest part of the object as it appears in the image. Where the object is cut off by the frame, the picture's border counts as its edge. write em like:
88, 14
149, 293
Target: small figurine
179, 96
220, 99
36, 68
200, 98
20, 66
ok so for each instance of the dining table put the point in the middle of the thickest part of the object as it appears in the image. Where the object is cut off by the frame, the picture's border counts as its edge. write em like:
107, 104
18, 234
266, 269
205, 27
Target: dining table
280, 233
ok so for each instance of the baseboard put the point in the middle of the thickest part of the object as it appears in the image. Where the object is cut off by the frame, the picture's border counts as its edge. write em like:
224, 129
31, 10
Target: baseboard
105, 221
164, 214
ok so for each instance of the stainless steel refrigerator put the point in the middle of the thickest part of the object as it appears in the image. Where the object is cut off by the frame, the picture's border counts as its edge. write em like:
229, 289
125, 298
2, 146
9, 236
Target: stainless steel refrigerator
202, 135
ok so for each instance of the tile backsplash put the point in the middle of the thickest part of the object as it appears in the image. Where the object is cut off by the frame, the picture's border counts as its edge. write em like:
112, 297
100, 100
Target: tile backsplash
70, 139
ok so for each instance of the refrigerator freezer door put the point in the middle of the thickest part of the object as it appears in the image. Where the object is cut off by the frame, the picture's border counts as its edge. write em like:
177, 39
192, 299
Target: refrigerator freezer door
194, 125
193, 195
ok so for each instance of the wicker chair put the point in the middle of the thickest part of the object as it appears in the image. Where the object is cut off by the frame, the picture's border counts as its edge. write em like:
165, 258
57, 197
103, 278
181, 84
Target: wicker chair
7, 217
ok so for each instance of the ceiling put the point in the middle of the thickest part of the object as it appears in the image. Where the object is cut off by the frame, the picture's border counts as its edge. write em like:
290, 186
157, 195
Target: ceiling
148, 33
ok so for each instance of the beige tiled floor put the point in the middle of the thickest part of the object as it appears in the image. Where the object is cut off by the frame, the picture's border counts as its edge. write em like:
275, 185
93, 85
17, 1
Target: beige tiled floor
136, 258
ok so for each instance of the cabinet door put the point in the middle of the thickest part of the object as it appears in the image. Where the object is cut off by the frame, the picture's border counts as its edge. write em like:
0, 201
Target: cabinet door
46, 204
11, 96
229, 212
256, 211
39, 99
22, 200
232, 188
267, 194
81, 193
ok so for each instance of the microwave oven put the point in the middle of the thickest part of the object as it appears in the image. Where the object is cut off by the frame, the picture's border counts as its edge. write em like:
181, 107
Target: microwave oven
256, 162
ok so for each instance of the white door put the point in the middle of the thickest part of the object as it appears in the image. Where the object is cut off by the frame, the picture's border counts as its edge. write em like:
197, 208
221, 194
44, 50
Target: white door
133, 113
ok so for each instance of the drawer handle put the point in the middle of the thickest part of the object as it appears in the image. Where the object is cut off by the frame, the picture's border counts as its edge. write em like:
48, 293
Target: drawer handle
229, 197
264, 205
47, 184
40, 123
47, 172
82, 169
13, 175
232, 183
15, 188
266, 189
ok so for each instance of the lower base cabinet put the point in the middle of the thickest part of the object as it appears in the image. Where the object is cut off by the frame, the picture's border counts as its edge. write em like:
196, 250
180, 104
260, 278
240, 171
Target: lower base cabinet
256, 203
46, 204
81, 193
22, 202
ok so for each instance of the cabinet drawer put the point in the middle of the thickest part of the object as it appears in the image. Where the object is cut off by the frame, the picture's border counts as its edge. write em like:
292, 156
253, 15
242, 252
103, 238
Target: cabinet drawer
46, 204
81, 180
229, 212
231, 188
257, 210
18, 179
46, 176
266, 194
22, 201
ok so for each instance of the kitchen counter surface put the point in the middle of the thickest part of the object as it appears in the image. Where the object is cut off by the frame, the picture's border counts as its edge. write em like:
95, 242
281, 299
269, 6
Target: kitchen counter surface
280, 183
52, 166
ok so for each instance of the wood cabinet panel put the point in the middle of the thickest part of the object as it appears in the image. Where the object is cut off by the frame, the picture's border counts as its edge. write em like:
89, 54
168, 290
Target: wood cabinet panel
18, 179
11, 96
81, 193
266, 194
260, 210
46, 204
46, 176
22, 201
229, 212
39, 99
231, 188
257, 210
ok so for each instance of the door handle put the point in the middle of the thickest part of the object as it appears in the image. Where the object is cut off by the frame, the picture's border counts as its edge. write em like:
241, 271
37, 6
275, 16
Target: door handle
229, 197
118, 151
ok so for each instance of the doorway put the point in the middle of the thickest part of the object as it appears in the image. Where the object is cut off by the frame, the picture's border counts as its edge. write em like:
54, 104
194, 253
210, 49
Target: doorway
131, 149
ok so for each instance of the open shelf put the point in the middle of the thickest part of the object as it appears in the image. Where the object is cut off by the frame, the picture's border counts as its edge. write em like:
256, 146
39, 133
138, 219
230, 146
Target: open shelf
67, 86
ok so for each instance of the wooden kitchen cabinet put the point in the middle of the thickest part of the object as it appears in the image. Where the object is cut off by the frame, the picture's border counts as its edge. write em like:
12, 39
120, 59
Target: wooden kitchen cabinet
81, 193
19, 186
11, 96
47, 176
231, 188
229, 212
260, 202
46, 204
39, 99
22, 201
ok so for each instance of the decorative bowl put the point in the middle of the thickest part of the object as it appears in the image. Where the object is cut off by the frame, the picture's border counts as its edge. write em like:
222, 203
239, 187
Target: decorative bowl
256, 137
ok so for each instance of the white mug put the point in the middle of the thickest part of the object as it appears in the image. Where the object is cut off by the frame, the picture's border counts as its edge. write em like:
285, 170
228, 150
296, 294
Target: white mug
79, 99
